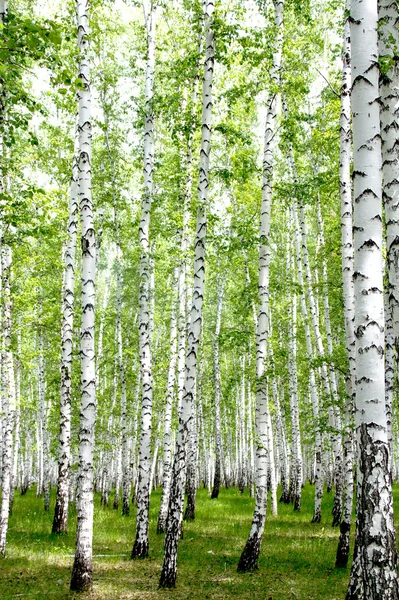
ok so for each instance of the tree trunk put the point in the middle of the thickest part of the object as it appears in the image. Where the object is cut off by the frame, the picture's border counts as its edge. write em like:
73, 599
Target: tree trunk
140, 547
348, 294
374, 569
7, 396
60, 521
250, 442
281, 444
82, 568
15, 480
170, 394
169, 567
334, 409
389, 93
319, 481
43, 418
249, 557
191, 461
296, 454
216, 365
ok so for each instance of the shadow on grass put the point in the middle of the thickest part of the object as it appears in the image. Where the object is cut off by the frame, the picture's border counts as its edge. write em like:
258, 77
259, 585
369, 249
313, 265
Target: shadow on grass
296, 560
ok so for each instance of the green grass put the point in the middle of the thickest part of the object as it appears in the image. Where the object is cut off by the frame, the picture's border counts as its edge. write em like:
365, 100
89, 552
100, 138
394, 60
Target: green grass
297, 558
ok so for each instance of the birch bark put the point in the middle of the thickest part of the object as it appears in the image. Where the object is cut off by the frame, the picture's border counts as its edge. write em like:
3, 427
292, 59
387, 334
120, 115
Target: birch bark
183, 314
314, 311
348, 293
335, 413
216, 365
43, 417
388, 14
60, 521
191, 461
7, 396
281, 444
249, 557
170, 394
296, 454
319, 481
124, 472
251, 448
140, 547
82, 568
389, 88
16, 463
169, 567
374, 569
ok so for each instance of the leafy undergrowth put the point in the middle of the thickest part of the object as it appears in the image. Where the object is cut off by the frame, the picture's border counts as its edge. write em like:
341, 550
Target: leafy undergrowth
297, 559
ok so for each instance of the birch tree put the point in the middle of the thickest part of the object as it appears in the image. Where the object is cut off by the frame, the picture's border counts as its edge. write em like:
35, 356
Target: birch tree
374, 568
6, 396
60, 521
169, 567
140, 547
170, 394
216, 365
389, 90
348, 294
319, 480
82, 568
249, 557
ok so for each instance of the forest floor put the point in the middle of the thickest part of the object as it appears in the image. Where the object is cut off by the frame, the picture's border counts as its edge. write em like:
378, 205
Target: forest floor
296, 563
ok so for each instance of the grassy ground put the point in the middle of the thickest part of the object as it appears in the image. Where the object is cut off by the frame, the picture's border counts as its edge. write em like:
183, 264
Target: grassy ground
296, 563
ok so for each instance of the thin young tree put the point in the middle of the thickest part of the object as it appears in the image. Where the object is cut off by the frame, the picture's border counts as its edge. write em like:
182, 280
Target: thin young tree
60, 521
249, 557
169, 567
348, 294
169, 398
82, 568
389, 90
220, 284
140, 547
7, 393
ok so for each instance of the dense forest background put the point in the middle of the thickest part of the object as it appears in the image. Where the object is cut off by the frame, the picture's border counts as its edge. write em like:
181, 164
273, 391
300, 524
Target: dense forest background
197, 155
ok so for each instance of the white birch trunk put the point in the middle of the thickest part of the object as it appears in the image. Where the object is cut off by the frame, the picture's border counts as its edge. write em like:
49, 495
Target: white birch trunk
348, 293
118, 472
388, 14
249, 557
39, 458
389, 370
272, 467
281, 444
183, 314
319, 481
313, 307
251, 449
140, 547
191, 458
242, 437
374, 572
170, 394
123, 475
7, 396
60, 521
154, 463
169, 567
82, 568
16, 459
334, 410
296, 457
45, 486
